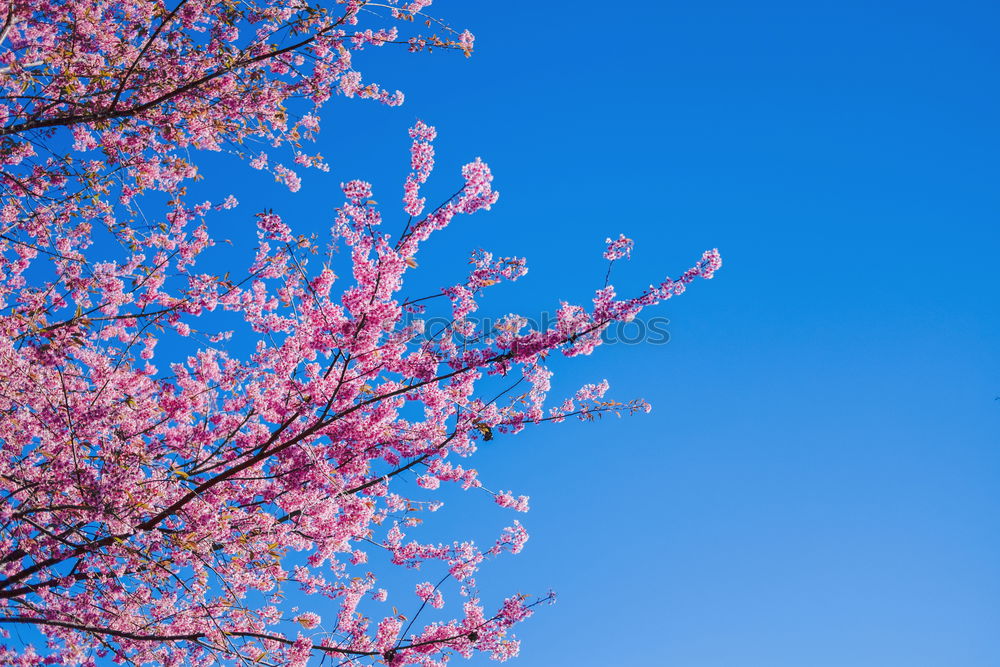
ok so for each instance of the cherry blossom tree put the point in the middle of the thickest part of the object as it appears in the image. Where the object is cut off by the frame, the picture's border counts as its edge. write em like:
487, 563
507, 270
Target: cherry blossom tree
168, 511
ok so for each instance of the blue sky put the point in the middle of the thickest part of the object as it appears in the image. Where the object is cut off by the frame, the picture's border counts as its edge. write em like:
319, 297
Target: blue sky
819, 481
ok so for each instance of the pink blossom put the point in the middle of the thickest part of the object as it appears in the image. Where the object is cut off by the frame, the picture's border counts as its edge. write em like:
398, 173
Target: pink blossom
507, 499
429, 482
618, 248
357, 190
308, 620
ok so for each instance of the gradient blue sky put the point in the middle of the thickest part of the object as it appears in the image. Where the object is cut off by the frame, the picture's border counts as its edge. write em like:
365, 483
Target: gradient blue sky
819, 481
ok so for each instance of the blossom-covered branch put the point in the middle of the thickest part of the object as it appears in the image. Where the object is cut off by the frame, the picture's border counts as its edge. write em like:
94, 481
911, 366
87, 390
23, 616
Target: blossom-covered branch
185, 448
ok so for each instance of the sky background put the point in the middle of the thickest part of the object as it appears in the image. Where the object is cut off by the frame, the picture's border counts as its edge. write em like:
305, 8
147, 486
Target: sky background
819, 480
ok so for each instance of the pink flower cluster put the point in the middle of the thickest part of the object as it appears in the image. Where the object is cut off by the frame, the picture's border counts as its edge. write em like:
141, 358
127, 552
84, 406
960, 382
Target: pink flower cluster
422, 162
308, 620
507, 499
618, 248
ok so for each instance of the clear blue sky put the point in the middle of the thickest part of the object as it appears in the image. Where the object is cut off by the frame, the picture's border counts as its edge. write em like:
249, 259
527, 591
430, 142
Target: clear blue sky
819, 481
